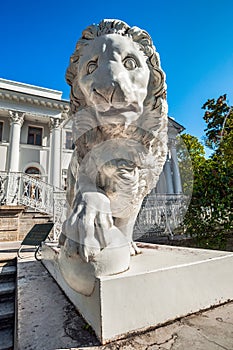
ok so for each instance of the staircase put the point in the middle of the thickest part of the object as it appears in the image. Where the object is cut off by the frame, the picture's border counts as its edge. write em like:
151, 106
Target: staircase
8, 273
18, 188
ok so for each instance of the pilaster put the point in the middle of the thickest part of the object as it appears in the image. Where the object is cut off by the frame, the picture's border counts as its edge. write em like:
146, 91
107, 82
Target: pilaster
55, 149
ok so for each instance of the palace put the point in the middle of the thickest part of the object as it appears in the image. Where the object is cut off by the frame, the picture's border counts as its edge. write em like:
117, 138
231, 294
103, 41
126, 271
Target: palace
36, 147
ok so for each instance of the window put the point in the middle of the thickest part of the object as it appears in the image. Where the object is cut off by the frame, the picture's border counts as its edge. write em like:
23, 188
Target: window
69, 141
32, 171
32, 189
1, 129
34, 136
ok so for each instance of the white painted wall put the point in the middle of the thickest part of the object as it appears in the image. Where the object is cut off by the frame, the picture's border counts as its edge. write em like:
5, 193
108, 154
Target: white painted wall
33, 154
3, 156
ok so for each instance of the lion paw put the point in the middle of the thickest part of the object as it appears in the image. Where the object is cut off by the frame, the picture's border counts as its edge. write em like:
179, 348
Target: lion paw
134, 250
89, 250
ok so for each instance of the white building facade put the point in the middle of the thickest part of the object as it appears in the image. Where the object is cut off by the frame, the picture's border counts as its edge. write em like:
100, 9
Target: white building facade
35, 134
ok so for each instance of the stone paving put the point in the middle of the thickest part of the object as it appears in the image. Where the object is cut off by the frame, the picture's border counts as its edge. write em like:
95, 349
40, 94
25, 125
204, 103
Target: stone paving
48, 321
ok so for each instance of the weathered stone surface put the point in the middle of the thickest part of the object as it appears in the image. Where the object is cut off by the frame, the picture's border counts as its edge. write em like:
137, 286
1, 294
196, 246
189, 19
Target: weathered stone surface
28, 220
15, 223
8, 224
8, 236
46, 319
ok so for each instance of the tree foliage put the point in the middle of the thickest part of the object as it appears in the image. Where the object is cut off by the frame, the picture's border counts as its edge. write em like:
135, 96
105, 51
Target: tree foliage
195, 149
210, 215
218, 116
219, 131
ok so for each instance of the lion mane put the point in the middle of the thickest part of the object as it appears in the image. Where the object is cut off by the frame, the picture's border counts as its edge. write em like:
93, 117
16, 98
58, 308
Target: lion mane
157, 86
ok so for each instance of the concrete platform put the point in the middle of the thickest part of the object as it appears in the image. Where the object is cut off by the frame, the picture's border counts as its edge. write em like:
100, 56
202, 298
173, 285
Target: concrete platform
164, 283
48, 321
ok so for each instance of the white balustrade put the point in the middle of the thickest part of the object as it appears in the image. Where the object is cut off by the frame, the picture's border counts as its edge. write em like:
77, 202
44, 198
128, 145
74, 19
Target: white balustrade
22, 189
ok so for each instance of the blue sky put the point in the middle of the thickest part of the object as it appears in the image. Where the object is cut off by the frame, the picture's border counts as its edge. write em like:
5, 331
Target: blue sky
194, 39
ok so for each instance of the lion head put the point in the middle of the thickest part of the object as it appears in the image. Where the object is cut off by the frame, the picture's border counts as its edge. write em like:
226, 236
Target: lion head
115, 66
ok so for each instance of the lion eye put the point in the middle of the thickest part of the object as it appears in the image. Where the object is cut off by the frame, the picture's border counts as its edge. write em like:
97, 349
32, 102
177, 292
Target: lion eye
130, 63
91, 67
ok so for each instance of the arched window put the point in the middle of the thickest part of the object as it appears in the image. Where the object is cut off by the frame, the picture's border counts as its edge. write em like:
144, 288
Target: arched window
32, 171
32, 188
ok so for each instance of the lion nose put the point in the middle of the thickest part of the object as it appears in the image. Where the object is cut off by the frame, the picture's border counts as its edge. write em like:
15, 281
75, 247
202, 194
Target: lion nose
105, 92
110, 93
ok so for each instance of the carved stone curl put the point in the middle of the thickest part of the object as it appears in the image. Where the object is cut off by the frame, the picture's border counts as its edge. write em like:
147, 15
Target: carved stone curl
54, 123
119, 109
16, 117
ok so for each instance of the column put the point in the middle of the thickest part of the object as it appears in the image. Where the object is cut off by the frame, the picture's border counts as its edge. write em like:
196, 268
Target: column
161, 185
168, 175
16, 121
55, 152
175, 168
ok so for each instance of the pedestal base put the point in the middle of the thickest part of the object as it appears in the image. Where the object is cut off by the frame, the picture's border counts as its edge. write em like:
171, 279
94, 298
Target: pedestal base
162, 284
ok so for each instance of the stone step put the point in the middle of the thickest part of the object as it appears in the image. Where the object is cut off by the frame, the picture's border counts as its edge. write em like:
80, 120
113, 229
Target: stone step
7, 272
6, 338
9, 262
7, 311
7, 290
7, 303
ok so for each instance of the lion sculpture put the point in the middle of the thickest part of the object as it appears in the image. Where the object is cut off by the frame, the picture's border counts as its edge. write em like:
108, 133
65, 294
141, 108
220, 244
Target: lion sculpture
119, 110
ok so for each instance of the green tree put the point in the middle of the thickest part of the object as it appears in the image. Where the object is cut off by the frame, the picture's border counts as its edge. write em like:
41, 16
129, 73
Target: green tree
195, 149
209, 217
191, 155
219, 130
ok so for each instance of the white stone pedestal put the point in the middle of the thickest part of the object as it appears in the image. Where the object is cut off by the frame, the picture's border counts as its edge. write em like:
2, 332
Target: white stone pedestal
162, 284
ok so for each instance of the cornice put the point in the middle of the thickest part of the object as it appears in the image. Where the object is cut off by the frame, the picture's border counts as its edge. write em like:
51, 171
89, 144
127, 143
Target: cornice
22, 97
64, 114
174, 124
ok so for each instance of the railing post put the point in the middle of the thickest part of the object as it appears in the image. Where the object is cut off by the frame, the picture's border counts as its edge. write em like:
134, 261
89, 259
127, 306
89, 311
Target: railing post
54, 218
12, 195
59, 211
3, 187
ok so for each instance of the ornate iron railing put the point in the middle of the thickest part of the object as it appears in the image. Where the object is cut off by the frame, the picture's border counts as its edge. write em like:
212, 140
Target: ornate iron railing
159, 215
22, 189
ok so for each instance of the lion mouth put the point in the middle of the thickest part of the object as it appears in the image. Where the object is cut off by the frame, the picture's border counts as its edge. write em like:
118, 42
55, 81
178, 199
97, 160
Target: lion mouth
113, 111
